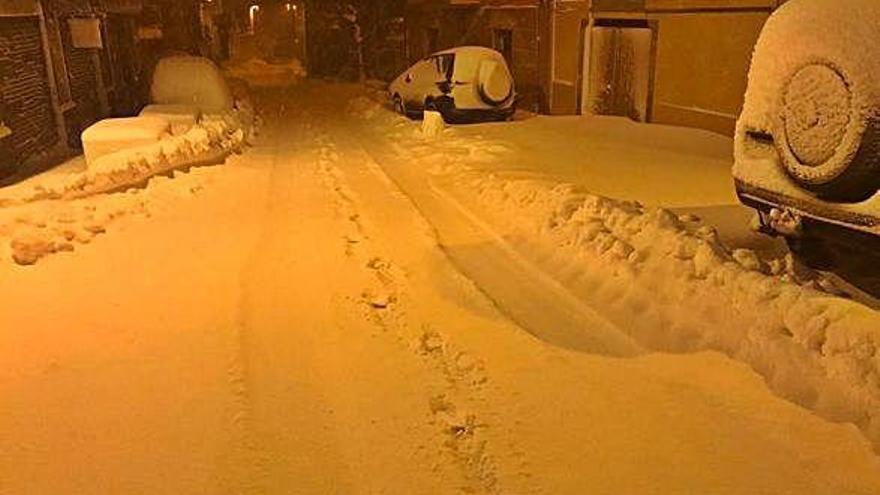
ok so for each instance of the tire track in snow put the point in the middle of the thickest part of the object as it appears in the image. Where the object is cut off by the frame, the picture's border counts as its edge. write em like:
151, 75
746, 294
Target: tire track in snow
451, 407
266, 453
249, 462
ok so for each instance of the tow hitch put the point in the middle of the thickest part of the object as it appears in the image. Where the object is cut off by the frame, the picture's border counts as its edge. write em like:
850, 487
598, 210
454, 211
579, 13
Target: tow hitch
779, 222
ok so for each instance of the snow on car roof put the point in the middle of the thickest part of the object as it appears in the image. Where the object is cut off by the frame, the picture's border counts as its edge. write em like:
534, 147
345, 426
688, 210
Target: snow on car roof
467, 49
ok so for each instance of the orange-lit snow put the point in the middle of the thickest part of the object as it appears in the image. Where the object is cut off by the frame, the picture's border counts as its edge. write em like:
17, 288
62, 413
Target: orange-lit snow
666, 281
292, 322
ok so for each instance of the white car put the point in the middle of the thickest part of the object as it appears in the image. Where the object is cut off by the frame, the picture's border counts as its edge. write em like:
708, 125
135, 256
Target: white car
464, 84
808, 140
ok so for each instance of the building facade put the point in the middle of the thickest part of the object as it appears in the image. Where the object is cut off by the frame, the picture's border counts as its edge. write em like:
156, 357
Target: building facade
678, 62
69, 63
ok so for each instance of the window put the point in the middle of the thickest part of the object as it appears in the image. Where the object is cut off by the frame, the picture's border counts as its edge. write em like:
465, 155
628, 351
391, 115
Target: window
444, 65
432, 40
502, 41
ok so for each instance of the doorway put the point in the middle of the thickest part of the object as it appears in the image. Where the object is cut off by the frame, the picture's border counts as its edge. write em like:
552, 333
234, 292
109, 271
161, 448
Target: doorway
620, 69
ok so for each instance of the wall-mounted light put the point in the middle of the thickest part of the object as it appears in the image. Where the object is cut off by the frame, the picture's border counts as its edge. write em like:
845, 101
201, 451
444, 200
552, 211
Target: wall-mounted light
252, 14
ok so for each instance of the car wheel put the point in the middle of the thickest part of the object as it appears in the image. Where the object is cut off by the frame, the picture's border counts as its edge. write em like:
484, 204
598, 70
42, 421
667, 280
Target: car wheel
430, 105
827, 136
446, 108
812, 252
399, 107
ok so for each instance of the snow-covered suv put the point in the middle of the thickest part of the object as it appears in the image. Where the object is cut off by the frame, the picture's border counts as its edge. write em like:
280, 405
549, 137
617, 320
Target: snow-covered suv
808, 140
464, 84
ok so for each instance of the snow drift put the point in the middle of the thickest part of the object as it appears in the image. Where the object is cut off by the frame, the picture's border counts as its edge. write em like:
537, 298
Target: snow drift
670, 283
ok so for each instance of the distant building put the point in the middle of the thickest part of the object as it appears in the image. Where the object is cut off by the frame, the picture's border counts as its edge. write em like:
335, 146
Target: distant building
681, 62
269, 29
351, 39
68, 63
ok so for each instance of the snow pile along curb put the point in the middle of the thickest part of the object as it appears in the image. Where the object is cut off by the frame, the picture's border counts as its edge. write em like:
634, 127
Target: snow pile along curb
55, 215
670, 283
211, 140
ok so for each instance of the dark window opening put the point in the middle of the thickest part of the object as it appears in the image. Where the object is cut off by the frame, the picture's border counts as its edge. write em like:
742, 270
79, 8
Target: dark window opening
502, 41
622, 23
445, 65
432, 40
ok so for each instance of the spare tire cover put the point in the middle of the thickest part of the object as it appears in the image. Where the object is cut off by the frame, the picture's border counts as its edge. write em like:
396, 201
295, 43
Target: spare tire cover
494, 82
816, 112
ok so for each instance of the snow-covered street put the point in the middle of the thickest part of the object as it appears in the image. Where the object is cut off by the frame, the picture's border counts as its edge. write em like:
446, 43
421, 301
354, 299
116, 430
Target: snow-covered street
351, 307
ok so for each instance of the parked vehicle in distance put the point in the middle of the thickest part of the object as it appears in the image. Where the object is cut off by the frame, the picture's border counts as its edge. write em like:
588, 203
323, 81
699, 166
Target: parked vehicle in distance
192, 81
808, 140
464, 84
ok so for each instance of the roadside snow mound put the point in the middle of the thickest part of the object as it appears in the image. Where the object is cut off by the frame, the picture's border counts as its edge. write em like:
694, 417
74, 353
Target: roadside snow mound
262, 74
214, 137
670, 283
112, 135
668, 280
433, 124
32, 231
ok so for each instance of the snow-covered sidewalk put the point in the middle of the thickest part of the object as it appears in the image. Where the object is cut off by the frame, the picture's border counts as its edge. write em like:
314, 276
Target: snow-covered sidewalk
65, 207
291, 322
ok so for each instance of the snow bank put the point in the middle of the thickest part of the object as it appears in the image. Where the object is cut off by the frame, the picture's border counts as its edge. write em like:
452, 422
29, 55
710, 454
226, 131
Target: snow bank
673, 286
667, 279
433, 124
210, 140
112, 135
181, 117
32, 231
262, 74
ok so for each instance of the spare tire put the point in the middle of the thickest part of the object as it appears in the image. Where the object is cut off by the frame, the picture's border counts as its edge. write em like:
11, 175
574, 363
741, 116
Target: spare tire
826, 136
494, 83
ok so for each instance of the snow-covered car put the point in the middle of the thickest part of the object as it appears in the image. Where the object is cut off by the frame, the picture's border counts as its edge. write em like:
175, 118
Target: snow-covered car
808, 140
464, 84
192, 81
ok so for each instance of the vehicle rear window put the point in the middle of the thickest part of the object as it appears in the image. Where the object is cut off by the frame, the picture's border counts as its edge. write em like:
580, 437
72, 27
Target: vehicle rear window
445, 64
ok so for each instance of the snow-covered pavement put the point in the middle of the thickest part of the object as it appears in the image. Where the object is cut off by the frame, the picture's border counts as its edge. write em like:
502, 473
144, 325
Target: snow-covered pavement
332, 312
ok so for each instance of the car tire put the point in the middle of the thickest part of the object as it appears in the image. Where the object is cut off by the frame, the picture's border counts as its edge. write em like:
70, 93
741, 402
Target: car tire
446, 107
399, 107
827, 136
812, 252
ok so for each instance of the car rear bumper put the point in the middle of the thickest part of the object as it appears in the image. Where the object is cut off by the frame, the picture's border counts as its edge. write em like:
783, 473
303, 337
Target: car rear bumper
455, 115
850, 246
853, 237
813, 213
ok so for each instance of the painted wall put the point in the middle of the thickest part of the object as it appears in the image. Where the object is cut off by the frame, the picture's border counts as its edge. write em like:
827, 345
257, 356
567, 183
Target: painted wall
567, 33
18, 7
701, 67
